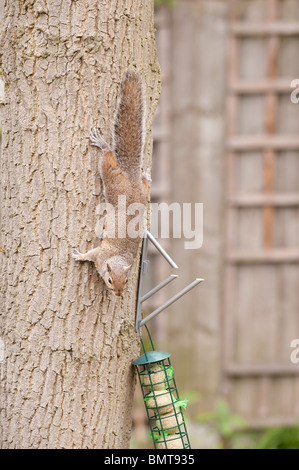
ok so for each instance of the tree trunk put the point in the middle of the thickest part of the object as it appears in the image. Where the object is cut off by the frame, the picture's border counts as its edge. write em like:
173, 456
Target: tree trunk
67, 379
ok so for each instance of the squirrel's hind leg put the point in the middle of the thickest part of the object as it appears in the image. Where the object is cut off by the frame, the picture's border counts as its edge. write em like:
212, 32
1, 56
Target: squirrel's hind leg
97, 140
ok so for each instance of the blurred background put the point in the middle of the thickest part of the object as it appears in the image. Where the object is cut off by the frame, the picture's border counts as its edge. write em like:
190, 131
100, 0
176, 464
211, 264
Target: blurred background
226, 134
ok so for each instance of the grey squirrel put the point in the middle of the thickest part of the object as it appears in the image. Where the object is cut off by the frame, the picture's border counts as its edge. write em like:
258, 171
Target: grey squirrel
120, 169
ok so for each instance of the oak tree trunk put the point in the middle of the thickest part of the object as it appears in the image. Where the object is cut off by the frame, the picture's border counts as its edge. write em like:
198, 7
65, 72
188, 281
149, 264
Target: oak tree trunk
67, 379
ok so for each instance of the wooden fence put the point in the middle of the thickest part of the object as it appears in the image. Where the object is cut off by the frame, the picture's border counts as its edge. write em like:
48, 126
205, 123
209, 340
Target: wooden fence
261, 290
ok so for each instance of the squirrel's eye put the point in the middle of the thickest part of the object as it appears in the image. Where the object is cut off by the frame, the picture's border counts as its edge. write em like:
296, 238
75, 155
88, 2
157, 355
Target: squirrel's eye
110, 280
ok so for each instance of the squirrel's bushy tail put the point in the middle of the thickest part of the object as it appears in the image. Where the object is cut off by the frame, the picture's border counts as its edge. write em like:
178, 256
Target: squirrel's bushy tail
129, 126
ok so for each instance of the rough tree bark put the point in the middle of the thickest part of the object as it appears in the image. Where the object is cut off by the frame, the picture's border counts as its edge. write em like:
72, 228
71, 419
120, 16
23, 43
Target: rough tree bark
66, 378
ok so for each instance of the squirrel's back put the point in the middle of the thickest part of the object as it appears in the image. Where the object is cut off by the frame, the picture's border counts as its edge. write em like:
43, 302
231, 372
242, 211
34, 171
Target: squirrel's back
129, 123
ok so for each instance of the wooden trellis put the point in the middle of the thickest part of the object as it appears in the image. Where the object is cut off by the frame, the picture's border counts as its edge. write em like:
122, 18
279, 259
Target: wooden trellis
263, 256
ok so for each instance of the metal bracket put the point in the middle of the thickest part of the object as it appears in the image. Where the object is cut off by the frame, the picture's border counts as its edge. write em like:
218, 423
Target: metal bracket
144, 268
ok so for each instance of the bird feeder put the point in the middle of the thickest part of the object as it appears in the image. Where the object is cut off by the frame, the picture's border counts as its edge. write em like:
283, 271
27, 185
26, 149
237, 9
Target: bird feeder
161, 398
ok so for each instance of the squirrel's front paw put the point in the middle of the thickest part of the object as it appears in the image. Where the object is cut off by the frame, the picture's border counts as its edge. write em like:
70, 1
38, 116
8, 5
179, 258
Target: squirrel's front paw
147, 175
97, 140
77, 256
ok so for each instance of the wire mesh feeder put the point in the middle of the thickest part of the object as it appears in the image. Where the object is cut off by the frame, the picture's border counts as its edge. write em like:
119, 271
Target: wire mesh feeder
161, 398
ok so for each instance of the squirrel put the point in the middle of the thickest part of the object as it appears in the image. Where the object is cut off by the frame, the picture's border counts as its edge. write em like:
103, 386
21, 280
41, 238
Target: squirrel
120, 169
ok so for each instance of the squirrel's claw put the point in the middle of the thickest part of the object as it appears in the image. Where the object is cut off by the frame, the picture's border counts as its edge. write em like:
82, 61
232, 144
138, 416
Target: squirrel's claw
97, 140
77, 256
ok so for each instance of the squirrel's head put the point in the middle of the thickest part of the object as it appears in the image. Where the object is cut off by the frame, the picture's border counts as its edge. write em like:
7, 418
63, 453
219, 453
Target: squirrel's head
116, 276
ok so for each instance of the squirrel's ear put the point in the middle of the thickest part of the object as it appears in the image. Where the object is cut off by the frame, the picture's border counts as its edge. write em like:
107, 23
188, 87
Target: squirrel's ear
109, 268
127, 268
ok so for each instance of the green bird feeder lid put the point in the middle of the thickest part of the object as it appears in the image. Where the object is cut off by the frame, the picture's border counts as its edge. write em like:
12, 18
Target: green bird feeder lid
151, 356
